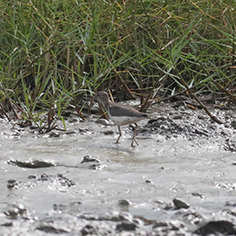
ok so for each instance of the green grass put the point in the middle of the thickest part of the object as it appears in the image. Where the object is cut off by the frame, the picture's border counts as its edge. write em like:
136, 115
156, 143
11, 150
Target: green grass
56, 54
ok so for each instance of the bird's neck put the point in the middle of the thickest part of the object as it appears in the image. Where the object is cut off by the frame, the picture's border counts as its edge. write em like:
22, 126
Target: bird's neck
107, 103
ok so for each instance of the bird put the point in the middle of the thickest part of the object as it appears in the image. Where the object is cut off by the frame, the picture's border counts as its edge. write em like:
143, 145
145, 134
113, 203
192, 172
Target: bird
120, 114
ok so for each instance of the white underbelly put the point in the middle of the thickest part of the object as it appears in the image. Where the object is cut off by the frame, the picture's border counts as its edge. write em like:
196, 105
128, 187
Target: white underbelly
125, 120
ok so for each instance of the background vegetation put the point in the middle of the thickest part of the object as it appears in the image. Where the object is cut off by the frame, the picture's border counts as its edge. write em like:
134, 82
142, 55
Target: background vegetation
55, 54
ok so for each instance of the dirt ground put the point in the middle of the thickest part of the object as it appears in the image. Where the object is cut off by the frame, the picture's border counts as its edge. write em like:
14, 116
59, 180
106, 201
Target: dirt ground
180, 180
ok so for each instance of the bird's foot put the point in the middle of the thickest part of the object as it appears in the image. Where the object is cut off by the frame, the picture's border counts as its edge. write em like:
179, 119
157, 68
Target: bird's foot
132, 143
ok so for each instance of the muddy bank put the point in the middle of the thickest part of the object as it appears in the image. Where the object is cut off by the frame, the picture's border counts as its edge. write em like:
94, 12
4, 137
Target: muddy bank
195, 125
179, 181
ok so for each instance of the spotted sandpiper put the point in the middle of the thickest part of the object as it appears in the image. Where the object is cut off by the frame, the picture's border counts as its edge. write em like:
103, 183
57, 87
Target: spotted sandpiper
120, 114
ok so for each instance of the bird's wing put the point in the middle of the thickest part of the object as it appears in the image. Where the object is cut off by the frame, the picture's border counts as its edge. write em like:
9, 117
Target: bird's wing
121, 110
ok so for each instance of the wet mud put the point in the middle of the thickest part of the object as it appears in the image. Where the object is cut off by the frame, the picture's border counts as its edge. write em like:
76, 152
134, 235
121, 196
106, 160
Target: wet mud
180, 180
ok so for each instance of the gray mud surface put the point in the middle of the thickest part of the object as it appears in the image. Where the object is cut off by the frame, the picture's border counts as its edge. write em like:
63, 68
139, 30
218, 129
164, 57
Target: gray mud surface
180, 180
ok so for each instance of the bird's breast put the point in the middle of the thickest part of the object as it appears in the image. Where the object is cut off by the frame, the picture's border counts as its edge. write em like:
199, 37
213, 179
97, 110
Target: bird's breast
125, 120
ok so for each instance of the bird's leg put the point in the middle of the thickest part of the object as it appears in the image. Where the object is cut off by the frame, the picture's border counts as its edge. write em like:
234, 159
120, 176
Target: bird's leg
117, 141
134, 136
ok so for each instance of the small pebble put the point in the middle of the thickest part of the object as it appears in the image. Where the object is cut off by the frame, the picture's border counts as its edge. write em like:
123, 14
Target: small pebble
126, 226
87, 158
233, 124
197, 195
180, 204
54, 135
108, 132
11, 183
124, 202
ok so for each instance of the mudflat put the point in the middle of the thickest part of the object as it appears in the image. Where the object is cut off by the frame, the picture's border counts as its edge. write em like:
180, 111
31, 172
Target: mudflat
180, 179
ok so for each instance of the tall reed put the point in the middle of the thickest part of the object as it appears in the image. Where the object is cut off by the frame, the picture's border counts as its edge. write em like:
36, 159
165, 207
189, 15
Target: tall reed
56, 53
